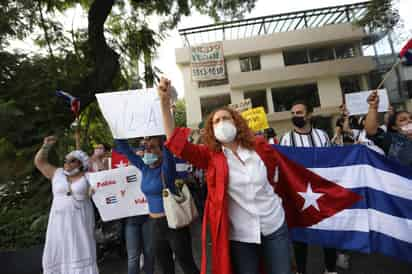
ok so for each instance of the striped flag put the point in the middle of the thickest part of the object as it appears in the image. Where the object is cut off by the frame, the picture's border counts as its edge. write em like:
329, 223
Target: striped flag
379, 222
406, 53
74, 102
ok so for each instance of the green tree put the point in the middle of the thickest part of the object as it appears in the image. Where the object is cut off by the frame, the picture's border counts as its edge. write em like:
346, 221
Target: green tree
180, 113
103, 57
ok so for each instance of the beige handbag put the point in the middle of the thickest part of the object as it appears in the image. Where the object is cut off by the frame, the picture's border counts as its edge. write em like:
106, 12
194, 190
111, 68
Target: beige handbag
180, 208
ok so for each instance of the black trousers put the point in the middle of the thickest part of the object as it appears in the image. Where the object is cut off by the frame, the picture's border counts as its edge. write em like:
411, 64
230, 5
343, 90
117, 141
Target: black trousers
167, 241
301, 254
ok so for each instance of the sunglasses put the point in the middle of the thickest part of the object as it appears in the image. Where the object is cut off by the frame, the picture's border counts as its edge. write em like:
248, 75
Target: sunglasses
70, 161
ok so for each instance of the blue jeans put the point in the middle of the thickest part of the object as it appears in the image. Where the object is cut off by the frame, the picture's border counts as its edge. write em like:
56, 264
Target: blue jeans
138, 239
273, 254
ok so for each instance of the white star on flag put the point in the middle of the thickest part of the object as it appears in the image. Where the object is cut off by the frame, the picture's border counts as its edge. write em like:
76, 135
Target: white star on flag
310, 198
121, 164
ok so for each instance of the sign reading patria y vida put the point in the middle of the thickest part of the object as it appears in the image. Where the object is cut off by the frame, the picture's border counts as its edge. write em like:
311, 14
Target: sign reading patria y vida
207, 62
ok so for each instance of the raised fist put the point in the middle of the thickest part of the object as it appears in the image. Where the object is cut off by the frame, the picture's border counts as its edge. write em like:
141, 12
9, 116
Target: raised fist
164, 89
49, 140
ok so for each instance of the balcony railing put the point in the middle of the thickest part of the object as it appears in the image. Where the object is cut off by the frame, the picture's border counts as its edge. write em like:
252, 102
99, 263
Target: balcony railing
266, 25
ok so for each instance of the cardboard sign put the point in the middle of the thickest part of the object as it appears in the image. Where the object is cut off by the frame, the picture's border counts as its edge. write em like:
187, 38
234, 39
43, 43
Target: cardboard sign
356, 103
133, 113
207, 62
117, 193
256, 118
242, 105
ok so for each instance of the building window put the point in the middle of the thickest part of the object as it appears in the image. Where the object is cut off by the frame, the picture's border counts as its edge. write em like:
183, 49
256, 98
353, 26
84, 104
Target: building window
321, 54
258, 98
345, 51
350, 84
209, 104
313, 55
249, 63
295, 57
283, 98
211, 83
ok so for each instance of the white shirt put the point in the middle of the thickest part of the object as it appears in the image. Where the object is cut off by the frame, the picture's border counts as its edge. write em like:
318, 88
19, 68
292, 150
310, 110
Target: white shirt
254, 207
315, 138
363, 139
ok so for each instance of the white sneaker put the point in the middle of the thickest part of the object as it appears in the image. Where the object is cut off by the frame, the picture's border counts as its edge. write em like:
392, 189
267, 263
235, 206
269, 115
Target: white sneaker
327, 272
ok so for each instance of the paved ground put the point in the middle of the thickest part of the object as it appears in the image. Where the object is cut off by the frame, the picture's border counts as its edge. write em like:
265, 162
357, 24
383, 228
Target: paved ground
360, 263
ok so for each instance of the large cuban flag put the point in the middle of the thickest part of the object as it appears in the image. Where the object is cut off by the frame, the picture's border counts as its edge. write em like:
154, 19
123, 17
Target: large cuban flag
380, 221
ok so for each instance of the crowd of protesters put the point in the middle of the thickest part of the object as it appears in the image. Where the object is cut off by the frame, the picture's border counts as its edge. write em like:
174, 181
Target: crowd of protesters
224, 151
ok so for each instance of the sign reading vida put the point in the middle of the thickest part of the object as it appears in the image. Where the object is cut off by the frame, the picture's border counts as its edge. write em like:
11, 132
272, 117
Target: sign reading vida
256, 118
117, 193
207, 62
133, 113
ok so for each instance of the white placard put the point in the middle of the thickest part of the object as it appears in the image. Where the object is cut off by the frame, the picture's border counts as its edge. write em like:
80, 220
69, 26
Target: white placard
133, 113
243, 105
356, 103
117, 193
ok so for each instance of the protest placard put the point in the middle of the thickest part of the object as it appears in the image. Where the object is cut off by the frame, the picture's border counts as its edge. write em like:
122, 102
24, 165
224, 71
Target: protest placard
356, 103
242, 105
133, 113
117, 193
256, 118
207, 62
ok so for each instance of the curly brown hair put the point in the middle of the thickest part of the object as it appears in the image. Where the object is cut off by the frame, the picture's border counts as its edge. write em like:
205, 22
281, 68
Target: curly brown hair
244, 136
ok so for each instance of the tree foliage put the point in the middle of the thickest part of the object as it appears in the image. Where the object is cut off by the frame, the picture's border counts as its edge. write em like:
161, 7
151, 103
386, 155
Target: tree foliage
103, 57
381, 15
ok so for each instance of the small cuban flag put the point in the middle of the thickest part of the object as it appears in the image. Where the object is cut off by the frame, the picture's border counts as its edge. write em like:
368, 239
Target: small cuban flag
406, 53
74, 102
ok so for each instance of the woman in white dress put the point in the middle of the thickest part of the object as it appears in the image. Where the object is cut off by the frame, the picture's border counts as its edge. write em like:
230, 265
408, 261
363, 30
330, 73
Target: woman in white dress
70, 246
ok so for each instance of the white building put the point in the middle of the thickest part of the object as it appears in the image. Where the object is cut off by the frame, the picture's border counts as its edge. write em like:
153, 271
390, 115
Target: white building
314, 55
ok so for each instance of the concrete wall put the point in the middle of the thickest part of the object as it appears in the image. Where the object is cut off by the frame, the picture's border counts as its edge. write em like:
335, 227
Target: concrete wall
274, 73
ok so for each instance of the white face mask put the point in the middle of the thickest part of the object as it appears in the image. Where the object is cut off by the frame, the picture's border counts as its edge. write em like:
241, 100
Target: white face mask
225, 132
71, 172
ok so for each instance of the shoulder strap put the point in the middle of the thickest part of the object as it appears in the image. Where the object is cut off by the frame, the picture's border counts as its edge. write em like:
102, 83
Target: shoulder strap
162, 176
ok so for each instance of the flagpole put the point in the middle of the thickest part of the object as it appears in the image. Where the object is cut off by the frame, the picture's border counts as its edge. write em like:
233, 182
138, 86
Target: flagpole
77, 132
389, 73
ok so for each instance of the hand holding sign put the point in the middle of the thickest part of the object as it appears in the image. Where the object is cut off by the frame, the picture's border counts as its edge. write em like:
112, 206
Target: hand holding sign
373, 99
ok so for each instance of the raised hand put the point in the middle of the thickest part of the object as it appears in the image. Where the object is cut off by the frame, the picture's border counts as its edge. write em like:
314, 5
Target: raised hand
373, 99
50, 140
164, 89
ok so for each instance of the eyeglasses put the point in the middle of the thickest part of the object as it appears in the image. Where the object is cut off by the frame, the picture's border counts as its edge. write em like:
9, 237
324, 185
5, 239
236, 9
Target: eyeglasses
70, 161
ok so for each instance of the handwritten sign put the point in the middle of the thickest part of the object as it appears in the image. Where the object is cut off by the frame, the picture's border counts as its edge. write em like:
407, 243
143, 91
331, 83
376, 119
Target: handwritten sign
117, 193
133, 113
242, 105
256, 118
207, 62
356, 103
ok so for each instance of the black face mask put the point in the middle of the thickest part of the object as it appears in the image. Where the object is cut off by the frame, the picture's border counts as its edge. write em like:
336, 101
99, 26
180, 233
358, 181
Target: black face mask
299, 121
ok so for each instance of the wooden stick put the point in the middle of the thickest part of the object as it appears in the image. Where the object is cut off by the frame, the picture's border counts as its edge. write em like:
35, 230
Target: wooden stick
389, 73
77, 133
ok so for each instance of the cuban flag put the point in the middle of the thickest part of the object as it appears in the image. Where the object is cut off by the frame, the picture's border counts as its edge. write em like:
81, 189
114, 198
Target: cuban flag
406, 53
118, 160
379, 218
74, 102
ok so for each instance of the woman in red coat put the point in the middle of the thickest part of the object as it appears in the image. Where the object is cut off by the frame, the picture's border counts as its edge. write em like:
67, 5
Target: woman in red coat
245, 215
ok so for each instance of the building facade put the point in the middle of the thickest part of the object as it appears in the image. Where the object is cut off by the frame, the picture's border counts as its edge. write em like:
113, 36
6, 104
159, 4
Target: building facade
314, 55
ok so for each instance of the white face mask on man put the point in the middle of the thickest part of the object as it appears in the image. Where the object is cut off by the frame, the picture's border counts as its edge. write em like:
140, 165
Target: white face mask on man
225, 132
